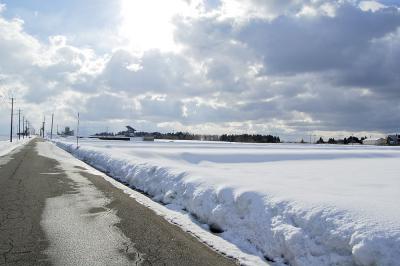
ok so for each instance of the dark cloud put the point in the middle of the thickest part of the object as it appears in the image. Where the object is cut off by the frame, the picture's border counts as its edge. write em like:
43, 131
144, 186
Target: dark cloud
160, 109
292, 45
106, 106
153, 72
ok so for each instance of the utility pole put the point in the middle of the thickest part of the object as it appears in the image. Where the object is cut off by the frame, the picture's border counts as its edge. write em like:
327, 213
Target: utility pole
19, 123
23, 127
51, 131
77, 133
44, 122
27, 128
12, 114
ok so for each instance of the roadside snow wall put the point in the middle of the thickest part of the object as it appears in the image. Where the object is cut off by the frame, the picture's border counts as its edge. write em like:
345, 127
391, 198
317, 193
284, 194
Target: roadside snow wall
282, 232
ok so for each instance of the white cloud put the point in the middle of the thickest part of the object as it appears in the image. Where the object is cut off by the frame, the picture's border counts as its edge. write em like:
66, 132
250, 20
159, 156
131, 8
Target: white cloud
371, 6
2, 7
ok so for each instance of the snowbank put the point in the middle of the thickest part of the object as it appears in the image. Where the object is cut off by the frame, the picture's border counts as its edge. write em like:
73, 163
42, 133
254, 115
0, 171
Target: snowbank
6, 146
290, 204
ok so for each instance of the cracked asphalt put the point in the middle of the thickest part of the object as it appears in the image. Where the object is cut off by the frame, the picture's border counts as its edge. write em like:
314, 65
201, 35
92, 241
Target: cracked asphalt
25, 188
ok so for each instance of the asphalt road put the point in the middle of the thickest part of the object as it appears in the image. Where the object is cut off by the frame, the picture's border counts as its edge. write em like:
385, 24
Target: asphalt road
53, 215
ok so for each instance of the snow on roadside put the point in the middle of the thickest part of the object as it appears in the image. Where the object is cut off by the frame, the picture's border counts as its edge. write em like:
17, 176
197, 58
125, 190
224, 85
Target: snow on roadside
6, 146
279, 202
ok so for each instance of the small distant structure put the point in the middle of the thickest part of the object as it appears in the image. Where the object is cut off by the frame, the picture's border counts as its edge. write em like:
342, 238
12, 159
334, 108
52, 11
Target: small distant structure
67, 132
130, 132
148, 138
393, 139
127, 135
375, 141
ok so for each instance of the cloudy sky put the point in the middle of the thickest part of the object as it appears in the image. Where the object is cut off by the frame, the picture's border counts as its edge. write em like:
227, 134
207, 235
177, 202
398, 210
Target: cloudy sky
287, 67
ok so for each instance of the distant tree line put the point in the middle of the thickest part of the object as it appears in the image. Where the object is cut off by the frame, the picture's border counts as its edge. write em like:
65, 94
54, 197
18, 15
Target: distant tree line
348, 140
177, 136
258, 138
250, 138
255, 138
105, 134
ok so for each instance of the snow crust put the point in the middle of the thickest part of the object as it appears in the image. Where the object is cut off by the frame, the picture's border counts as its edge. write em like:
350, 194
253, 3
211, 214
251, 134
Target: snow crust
286, 203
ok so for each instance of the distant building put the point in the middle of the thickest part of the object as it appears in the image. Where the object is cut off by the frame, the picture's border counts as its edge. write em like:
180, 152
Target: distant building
393, 139
130, 132
377, 141
67, 132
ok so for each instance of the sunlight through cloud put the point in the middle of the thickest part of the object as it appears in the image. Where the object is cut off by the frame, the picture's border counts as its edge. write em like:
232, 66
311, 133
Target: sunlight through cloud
149, 24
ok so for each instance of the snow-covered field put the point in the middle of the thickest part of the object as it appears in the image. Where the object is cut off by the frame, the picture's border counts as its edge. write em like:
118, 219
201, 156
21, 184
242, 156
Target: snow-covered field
6, 146
286, 203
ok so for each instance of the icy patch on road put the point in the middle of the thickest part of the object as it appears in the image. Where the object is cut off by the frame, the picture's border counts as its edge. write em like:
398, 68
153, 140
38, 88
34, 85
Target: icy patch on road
79, 225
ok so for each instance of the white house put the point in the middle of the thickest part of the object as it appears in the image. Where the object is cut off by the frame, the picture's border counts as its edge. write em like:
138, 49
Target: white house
378, 141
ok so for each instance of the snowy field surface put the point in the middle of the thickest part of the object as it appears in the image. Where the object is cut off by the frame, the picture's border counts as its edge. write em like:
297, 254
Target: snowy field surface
6, 146
286, 203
